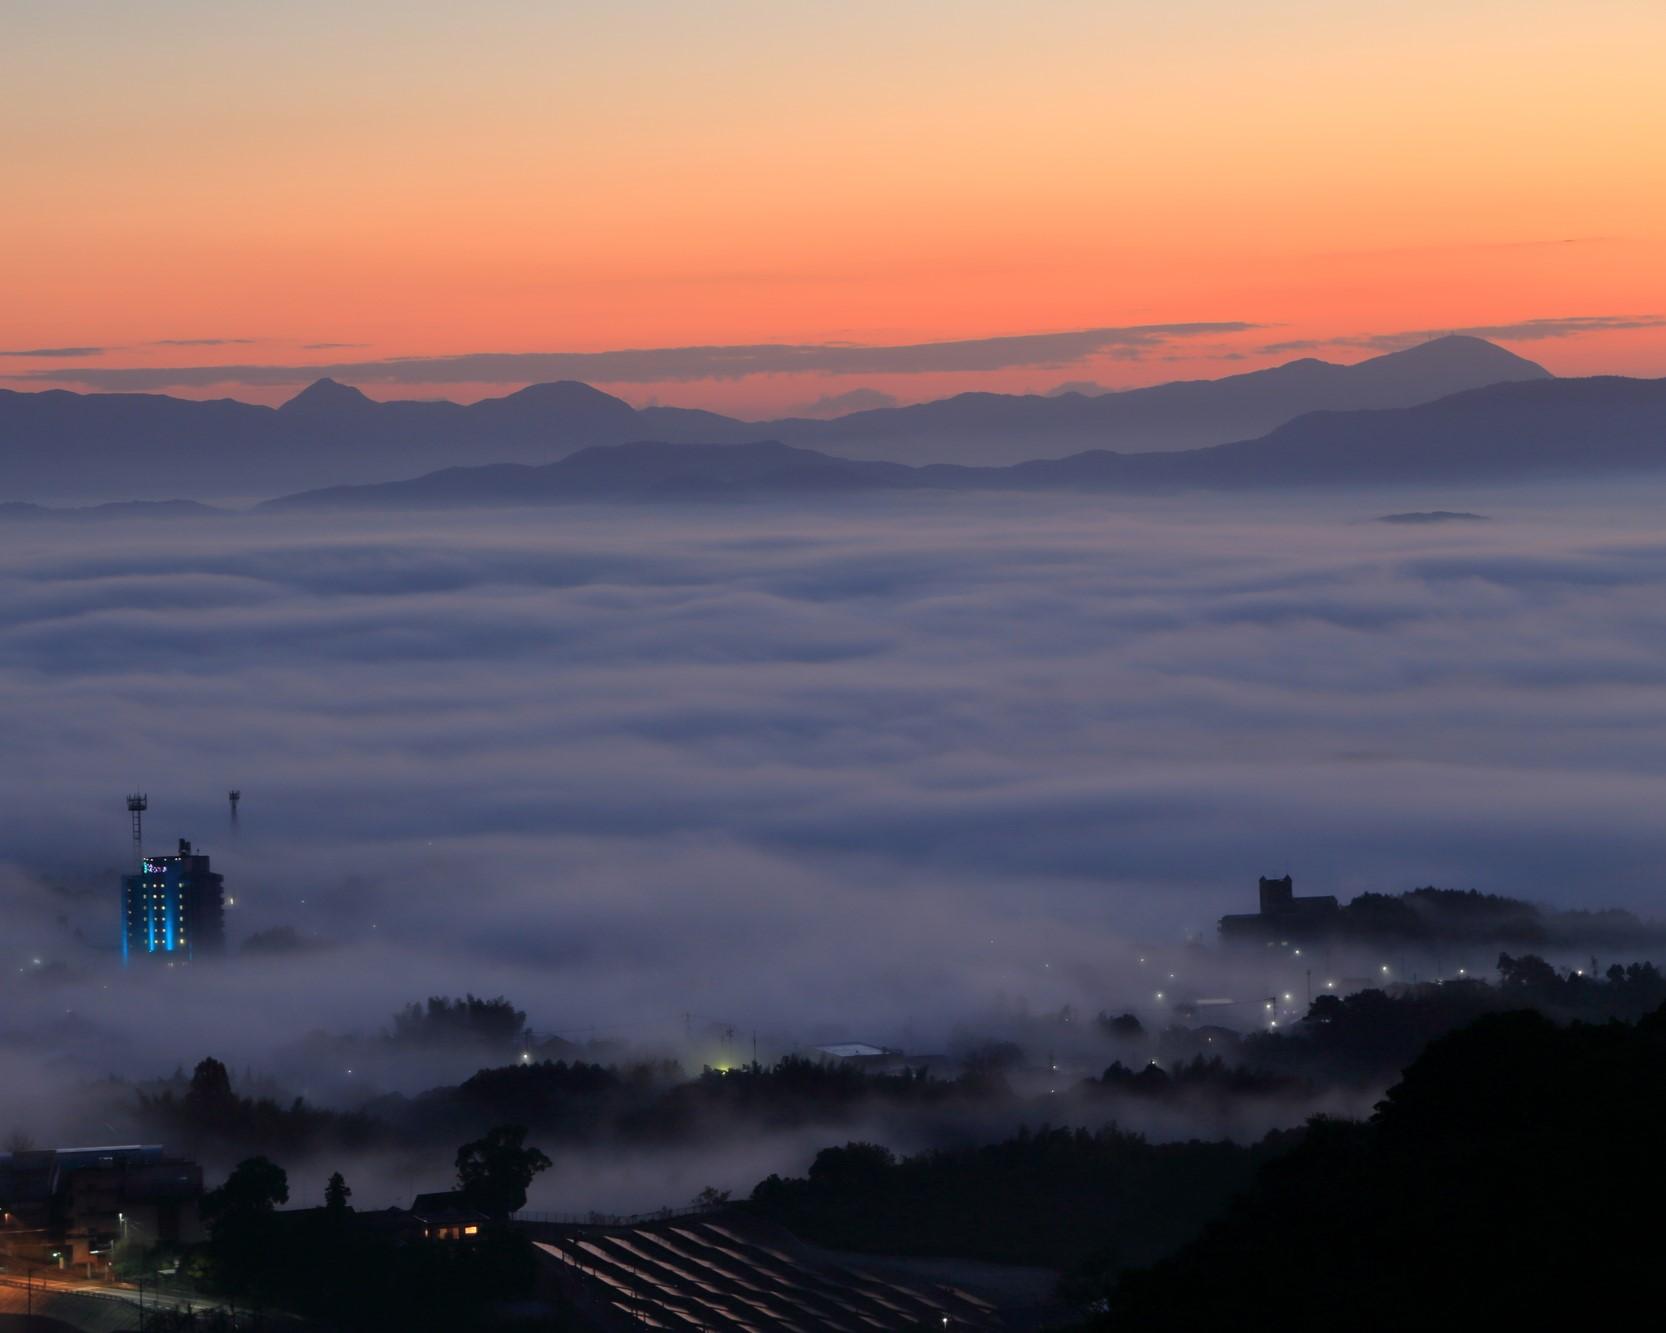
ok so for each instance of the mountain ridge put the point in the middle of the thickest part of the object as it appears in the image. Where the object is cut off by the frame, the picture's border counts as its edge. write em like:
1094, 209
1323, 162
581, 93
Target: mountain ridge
1604, 425
61, 445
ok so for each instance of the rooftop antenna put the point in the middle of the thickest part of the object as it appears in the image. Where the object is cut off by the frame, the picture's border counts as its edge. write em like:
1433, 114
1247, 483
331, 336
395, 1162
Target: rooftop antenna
234, 796
137, 804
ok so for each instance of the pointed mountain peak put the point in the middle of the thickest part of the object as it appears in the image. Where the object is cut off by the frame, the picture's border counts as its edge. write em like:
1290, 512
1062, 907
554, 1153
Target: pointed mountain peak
326, 396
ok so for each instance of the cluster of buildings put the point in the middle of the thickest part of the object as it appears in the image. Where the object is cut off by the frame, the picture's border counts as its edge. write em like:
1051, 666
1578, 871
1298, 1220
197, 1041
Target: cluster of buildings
73, 1207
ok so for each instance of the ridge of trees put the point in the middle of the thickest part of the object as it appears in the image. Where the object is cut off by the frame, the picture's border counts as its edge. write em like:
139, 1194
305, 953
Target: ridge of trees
1511, 1177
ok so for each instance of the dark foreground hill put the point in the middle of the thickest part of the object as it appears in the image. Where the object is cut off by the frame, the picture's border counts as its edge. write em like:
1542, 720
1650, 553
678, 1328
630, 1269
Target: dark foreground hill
1511, 1179
57, 445
1504, 433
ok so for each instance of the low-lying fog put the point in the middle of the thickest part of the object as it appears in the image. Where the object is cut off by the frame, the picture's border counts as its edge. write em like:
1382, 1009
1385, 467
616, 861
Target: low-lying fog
855, 773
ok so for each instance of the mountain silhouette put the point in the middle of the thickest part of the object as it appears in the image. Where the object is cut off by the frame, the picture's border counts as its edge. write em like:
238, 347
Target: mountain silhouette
327, 398
1003, 428
65, 446
1534, 429
630, 472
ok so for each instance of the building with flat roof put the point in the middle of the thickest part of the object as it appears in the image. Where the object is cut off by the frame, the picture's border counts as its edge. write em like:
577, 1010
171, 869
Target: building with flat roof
174, 908
77, 1205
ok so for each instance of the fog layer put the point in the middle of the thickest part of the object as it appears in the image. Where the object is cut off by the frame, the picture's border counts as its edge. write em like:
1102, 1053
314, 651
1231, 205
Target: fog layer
852, 773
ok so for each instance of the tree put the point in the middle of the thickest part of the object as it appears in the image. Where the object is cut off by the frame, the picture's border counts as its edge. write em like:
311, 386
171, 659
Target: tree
254, 1188
241, 1227
336, 1194
1528, 972
468, 1021
493, 1172
210, 1091
855, 1163
1124, 1027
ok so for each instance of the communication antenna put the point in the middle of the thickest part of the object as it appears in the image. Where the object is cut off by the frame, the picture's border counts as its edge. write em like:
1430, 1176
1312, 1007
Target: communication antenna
137, 804
234, 796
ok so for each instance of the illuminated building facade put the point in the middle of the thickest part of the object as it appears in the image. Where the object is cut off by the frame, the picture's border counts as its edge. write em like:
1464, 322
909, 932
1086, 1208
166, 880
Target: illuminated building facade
173, 908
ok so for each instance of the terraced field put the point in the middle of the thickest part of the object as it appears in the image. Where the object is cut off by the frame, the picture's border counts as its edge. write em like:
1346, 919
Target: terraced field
735, 1274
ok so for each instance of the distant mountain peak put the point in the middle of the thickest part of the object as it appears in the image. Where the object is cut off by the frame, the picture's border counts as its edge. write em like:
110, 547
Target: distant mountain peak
326, 396
564, 392
1466, 352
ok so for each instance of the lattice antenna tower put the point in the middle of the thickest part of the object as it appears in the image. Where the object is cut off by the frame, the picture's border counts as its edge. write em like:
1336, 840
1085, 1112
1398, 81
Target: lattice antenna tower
137, 804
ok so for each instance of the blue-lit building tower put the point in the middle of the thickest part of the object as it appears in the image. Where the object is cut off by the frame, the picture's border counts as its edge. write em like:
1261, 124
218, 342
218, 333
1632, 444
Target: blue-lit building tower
173, 908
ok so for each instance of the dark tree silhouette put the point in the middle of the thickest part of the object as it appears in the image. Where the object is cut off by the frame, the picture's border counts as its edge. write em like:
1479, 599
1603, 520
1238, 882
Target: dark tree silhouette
1124, 1027
254, 1188
241, 1223
494, 1172
1528, 971
468, 1021
210, 1090
1511, 1179
336, 1193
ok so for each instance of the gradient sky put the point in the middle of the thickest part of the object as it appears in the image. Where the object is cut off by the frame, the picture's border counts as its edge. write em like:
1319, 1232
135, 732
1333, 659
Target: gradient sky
425, 179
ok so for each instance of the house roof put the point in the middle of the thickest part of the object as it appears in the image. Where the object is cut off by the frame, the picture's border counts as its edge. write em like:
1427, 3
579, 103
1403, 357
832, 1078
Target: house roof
445, 1207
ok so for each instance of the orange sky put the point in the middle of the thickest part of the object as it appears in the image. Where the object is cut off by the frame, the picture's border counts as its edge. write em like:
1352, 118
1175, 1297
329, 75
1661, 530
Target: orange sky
430, 179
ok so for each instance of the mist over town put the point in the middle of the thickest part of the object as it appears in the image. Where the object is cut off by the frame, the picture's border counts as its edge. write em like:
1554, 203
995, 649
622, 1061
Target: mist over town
738, 667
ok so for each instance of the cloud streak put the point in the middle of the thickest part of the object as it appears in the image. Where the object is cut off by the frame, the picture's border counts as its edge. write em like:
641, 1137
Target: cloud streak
1525, 330
670, 364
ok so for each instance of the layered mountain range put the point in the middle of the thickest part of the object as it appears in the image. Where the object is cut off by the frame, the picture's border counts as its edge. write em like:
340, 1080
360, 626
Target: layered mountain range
61, 446
1534, 430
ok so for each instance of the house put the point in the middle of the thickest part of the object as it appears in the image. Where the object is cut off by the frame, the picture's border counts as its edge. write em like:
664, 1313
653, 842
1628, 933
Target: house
447, 1215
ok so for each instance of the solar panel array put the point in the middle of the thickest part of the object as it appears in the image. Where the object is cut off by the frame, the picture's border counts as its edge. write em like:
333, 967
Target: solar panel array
722, 1275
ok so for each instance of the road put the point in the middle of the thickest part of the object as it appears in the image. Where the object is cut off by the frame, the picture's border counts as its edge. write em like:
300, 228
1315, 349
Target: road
95, 1306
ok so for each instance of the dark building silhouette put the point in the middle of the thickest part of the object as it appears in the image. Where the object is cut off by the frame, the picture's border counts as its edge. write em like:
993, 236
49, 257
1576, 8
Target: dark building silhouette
81, 1203
1283, 914
173, 908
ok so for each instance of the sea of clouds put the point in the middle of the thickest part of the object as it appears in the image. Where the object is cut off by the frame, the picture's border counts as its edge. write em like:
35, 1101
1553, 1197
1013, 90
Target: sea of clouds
856, 772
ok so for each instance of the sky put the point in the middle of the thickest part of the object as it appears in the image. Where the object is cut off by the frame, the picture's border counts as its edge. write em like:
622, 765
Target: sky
1191, 189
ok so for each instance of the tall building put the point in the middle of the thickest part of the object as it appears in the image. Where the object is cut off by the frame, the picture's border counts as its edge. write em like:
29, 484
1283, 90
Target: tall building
173, 908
